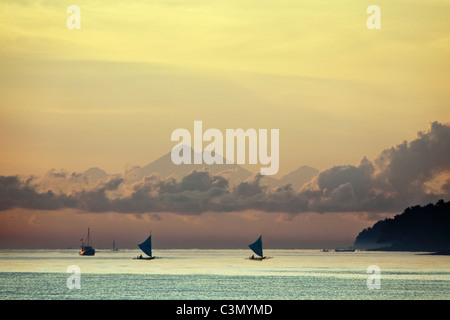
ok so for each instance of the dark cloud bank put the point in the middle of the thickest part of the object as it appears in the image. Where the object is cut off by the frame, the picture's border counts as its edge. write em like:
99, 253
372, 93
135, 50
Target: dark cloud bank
399, 177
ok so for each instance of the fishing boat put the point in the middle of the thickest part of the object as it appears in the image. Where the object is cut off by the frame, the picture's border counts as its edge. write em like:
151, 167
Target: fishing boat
146, 247
257, 249
86, 250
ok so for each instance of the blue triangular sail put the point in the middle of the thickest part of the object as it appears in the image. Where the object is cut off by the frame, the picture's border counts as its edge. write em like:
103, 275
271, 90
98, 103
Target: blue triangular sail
146, 246
257, 247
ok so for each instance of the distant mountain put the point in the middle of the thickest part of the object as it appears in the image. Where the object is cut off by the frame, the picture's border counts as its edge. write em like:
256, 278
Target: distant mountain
233, 172
418, 228
299, 177
165, 167
94, 174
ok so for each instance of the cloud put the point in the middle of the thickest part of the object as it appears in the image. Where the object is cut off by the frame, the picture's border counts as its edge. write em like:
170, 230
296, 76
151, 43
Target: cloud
405, 168
394, 180
446, 187
15, 193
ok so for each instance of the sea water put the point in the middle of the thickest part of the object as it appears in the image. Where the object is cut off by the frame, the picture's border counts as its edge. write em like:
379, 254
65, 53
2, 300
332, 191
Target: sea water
222, 274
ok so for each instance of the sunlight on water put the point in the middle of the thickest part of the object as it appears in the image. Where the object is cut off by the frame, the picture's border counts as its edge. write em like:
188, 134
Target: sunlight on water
223, 274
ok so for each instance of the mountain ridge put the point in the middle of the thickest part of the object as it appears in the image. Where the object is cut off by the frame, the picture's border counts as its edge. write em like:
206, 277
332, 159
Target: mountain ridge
164, 167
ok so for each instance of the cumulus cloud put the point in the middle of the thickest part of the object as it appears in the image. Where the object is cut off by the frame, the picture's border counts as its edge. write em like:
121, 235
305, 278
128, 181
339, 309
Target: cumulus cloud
405, 168
394, 180
15, 193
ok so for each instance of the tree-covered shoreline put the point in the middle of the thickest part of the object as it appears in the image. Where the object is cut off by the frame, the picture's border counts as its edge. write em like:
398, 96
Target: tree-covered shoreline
418, 228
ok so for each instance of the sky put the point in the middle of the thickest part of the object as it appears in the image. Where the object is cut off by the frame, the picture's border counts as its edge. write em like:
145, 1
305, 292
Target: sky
109, 95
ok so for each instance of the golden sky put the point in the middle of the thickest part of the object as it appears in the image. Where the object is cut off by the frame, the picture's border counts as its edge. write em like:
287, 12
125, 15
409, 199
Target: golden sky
111, 93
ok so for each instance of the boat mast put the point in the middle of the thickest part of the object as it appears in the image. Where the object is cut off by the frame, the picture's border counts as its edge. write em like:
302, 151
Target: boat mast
88, 237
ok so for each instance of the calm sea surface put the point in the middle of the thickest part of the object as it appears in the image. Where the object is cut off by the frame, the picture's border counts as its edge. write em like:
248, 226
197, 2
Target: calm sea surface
222, 274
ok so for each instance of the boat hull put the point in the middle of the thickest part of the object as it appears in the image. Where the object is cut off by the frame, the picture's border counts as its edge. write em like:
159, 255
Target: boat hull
87, 251
257, 258
145, 258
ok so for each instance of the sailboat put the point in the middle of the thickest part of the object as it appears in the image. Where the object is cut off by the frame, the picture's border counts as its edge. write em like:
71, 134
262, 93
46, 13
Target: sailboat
257, 249
114, 246
86, 250
146, 247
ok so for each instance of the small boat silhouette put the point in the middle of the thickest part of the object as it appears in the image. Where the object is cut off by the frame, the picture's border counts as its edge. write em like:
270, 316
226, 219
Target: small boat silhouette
146, 247
114, 246
258, 250
86, 250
